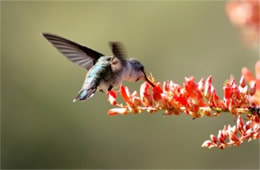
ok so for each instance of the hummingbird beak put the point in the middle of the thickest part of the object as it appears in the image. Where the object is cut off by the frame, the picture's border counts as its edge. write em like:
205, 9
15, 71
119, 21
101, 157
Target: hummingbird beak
146, 79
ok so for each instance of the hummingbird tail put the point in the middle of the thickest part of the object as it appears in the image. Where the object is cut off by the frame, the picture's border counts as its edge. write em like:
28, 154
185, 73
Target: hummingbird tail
84, 94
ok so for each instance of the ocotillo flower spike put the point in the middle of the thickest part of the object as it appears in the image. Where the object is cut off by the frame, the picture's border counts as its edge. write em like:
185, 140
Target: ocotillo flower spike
194, 99
197, 100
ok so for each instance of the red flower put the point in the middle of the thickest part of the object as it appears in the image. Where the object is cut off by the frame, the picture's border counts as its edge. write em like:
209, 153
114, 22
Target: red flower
235, 135
146, 97
197, 100
157, 91
254, 82
115, 111
125, 93
111, 95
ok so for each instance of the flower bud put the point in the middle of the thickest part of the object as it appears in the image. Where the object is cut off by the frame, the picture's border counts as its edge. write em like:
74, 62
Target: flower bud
252, 89
242, 82
206, 143
201, 84
115, 111
111, 97
213, 138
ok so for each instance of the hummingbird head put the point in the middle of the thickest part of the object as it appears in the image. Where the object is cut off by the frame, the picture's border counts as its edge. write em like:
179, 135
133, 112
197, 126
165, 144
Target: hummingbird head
137, 71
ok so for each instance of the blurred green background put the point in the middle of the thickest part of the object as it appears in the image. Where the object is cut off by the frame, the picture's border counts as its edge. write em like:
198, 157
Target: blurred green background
42, 128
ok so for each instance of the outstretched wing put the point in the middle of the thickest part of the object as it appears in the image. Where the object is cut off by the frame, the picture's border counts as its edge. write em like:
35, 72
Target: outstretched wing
118, 50
78, 54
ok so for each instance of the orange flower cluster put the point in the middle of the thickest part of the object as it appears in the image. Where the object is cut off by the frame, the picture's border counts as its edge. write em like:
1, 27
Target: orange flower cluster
250, 78
197, 100
246, 15
234, 136
194, 99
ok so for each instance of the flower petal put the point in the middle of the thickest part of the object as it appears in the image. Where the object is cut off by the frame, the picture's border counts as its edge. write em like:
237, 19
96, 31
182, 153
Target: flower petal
111, 97
115, 111
125, 93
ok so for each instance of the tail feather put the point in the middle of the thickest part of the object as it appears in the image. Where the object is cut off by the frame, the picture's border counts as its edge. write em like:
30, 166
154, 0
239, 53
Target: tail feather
84, 94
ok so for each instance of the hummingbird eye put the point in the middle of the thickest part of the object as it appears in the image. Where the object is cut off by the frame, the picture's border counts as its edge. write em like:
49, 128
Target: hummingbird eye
142, 68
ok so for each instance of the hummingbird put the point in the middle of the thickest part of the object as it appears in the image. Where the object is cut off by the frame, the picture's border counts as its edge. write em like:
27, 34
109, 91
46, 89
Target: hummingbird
104, 72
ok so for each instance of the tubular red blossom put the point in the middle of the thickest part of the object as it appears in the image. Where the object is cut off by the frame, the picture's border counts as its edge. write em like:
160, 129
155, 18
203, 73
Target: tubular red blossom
125, 93
115, 111
111, 95
207, 143
252, 90
146, 97
209, 80
227, 92
201, 85
240, 123
213, 138
137, 101
242, 82
207, 92
166, 86
193, 90
190, 85
157, 91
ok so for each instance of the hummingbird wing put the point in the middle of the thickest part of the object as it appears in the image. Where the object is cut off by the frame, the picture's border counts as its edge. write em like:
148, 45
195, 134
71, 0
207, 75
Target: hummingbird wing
118, 50
100, 71
78, 54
